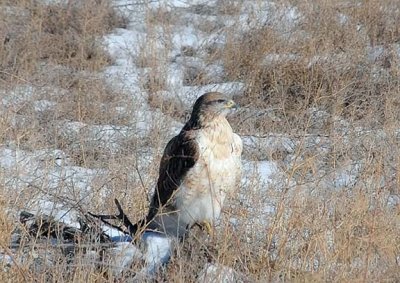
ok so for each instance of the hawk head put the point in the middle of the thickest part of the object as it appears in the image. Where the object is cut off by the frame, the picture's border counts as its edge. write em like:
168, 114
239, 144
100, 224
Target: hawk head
210, 106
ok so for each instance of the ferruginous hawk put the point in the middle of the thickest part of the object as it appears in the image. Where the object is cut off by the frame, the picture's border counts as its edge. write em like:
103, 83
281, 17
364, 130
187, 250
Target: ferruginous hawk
199, 167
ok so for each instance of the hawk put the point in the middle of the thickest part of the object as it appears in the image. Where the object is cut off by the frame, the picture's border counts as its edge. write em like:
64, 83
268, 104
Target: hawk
198, 169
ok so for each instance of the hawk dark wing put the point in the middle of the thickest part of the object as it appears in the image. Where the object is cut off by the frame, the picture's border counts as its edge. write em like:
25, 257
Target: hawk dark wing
180, 154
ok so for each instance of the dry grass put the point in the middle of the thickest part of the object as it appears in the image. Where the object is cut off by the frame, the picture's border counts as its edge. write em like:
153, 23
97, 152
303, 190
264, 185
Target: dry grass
34, 34
315, 231
324, 62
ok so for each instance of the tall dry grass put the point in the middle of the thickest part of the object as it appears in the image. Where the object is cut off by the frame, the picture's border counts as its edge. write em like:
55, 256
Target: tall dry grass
314, 232
325, 61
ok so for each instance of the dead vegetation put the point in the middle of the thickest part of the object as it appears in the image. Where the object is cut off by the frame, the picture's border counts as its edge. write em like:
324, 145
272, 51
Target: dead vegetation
34, 34
340, 58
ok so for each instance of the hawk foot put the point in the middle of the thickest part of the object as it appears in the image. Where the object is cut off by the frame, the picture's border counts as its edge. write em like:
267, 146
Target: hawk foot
207, 226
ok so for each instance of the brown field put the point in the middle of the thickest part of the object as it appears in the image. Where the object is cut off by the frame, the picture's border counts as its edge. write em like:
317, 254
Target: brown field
333, 91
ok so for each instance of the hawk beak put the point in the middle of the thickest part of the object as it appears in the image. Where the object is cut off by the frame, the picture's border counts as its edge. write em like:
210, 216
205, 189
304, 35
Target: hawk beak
231, 104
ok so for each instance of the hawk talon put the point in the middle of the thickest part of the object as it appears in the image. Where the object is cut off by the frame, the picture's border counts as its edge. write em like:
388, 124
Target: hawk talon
208, 227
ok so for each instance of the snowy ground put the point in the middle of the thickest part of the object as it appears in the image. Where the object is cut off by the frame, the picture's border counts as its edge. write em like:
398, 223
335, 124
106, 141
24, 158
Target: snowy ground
55, 185
47, 168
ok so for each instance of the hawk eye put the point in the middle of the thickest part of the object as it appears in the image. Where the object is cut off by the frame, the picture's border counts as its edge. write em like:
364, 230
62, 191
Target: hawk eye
212, 102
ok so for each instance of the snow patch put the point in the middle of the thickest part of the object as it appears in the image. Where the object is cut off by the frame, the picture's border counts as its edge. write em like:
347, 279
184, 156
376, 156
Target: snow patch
17, 97
213, 272
259, 174
171, 4
43, 105
121, 257
158, 252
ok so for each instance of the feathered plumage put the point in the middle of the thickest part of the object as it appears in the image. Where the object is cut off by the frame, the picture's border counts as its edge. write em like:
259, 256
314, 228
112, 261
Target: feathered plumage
198, 168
